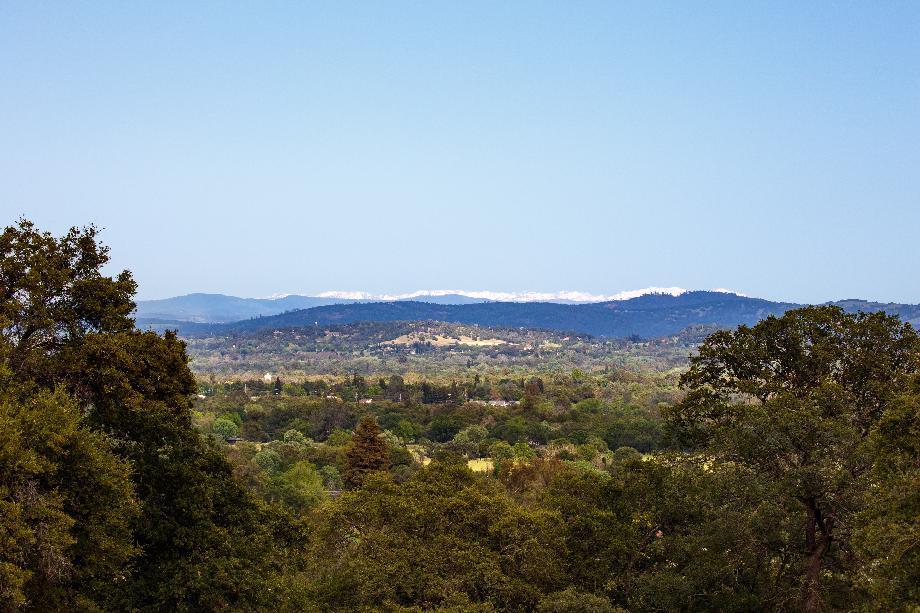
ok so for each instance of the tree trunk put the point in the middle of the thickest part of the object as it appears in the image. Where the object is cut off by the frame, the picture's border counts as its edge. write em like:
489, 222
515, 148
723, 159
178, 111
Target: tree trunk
818, 539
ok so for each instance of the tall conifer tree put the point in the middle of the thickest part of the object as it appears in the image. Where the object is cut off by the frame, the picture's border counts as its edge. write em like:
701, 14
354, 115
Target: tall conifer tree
367, 453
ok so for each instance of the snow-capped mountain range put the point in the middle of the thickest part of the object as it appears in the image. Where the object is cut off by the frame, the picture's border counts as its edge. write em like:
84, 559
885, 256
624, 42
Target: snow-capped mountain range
647, 313
217, 308
563, 297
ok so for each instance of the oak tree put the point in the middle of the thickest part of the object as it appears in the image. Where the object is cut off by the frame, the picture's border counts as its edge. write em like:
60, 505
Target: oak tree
794, 399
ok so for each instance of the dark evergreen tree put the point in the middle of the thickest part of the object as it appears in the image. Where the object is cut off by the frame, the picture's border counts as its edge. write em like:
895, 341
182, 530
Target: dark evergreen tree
367, 453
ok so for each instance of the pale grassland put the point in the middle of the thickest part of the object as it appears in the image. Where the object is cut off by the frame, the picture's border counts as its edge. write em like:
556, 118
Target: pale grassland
418, 454
482, 465
445, 341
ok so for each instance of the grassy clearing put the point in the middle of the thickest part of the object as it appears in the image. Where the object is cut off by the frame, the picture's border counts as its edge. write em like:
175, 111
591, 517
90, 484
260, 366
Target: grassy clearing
482, 465
445, 341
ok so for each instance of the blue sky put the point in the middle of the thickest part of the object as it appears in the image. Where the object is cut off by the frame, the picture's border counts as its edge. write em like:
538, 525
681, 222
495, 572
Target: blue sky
254, 148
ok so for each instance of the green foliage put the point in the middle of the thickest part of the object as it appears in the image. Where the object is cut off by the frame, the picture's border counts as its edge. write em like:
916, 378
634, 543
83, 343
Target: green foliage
598, 526
52, 295
300, 487
571, 600
332, 479
442, 536
339, 438
268, 460
225, 428
66, 501
501, 451
204, 542
467, 441
718, 527
889, 529
407, 430
444, 428
792, 482
367, 453
807, 349
522, 451
793, 400
705, 538
623, 455
295, 437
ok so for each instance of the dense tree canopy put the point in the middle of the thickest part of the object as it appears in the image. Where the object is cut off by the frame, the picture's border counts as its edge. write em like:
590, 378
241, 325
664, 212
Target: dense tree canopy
52, 294
446, 537
793, 399
889, 533
783, 477
202, 541
67, 504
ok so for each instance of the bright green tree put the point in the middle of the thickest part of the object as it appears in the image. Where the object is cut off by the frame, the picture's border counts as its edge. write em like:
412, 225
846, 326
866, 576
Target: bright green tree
300, 486
225, 428
67, 505
522, 452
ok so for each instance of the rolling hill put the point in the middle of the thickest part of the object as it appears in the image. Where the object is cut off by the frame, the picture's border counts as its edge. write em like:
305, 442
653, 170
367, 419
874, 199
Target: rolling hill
648, 316
220, 308
645, 316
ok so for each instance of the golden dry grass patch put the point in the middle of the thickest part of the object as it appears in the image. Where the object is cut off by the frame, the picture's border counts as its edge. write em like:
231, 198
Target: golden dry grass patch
445, 341
481, 465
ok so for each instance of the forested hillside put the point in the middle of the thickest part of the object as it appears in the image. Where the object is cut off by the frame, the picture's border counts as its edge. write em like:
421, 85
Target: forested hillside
776, 469
649, 316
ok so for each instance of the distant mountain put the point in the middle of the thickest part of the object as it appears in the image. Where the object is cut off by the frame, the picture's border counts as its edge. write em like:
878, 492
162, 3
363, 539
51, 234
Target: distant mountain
907, 312
647, 316
445, 299
218, 308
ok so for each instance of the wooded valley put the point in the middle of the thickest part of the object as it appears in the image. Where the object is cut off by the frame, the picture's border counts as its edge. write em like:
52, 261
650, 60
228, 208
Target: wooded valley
433, 466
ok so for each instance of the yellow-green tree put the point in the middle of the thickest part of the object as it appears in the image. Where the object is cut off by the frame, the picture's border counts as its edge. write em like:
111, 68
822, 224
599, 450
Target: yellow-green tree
67, 505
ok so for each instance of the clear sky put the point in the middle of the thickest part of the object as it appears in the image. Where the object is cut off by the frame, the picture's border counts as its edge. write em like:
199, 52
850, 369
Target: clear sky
253, 147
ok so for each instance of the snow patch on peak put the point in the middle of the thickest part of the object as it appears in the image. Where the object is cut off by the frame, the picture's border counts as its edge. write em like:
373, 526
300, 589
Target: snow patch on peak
723, 290
350, 295
566, 296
